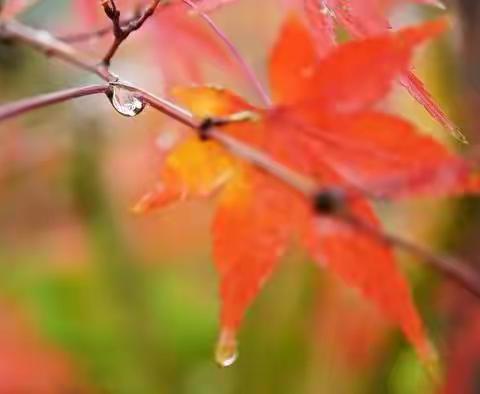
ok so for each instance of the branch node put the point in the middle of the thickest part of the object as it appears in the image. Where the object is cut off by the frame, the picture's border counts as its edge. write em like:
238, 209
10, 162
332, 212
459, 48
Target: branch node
329, 201
205, 126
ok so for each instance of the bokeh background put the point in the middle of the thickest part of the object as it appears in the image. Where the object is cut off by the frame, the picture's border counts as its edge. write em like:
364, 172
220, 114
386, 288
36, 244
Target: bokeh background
94, 299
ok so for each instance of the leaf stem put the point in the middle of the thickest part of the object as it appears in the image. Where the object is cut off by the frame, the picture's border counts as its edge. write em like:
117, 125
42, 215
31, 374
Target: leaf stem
244, 66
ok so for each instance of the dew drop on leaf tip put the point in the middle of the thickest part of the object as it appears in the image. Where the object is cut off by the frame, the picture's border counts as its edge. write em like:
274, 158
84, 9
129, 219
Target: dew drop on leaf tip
125, 102
226, 350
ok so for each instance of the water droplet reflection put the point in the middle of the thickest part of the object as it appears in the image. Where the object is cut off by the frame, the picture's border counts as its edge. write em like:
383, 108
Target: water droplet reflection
125, 101
226, 351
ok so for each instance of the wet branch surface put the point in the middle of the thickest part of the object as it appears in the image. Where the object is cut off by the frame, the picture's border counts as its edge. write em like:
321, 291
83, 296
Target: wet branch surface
325, 201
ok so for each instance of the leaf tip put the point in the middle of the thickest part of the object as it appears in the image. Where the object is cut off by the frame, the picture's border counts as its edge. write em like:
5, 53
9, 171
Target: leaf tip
226, 349
426, 31
161, 196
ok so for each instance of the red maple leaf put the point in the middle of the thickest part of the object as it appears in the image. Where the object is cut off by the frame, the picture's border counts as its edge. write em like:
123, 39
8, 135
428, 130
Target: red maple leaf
323, 125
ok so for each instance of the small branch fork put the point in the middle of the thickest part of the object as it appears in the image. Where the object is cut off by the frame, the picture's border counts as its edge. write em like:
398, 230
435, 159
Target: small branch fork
119, 24
121, 31
325, 201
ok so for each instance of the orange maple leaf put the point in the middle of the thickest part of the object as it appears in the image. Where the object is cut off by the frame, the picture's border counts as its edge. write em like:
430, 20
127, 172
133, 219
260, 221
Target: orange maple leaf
366, 18
323, 125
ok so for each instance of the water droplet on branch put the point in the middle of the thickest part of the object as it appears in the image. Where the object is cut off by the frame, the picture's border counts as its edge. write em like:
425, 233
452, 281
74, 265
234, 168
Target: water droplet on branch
125, 101
226, 351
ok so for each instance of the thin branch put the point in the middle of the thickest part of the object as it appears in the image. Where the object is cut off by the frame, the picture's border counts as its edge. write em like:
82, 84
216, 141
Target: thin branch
29, 104
120, 31
73, 38
166, 107
328, 200
295, 180
453, 268
244, 66
44, 42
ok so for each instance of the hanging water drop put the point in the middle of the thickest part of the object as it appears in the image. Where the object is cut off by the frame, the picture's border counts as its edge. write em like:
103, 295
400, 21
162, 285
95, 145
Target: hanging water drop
125, 101
226, 351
